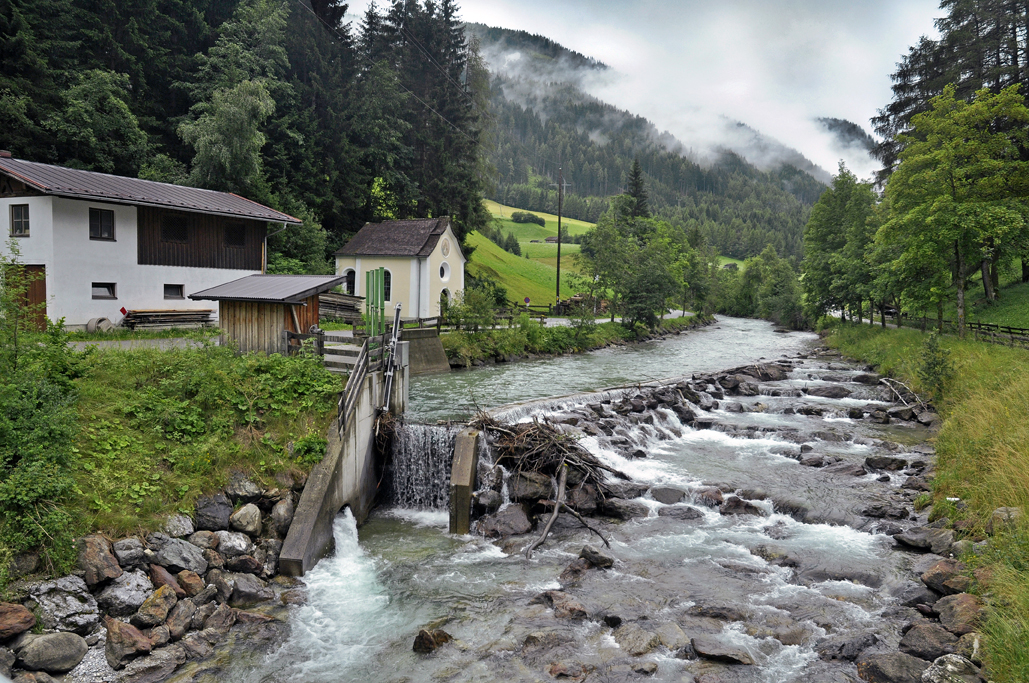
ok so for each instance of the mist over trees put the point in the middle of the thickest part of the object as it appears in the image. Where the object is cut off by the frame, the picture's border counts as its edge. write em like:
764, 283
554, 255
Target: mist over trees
274, 99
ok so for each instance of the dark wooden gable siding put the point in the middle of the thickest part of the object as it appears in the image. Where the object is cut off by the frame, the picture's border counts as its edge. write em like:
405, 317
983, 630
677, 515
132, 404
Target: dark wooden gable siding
205, 246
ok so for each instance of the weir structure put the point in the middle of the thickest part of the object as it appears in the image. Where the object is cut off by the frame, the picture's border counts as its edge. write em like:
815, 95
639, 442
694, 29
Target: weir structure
346, 476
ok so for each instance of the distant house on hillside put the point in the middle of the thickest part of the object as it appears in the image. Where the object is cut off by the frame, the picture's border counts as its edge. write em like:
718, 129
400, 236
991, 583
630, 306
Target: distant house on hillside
730, 266
105, 244
552, 239
422, 258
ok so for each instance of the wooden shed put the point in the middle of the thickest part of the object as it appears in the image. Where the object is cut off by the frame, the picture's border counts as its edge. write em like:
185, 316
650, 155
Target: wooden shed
255, 311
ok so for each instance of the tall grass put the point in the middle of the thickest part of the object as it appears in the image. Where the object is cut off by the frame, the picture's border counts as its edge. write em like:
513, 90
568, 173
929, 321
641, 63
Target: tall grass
983, 459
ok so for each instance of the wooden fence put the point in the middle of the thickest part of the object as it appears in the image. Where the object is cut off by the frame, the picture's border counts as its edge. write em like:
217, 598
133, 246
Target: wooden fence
987, 332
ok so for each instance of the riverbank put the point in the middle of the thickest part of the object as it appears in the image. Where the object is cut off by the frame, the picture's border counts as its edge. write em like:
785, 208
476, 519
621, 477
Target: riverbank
527, 338
982, 466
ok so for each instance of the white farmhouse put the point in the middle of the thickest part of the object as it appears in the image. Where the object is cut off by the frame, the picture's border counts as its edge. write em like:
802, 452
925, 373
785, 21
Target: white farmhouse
107, 244
422, 258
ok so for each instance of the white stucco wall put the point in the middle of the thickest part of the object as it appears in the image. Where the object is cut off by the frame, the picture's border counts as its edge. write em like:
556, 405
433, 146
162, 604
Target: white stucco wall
59, 239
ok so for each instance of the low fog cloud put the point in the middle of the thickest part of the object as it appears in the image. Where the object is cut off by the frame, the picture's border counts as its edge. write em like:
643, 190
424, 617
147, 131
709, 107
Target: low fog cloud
694, 68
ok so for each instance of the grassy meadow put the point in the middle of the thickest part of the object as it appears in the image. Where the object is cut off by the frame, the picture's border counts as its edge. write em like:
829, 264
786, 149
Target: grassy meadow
982, 460
521, 276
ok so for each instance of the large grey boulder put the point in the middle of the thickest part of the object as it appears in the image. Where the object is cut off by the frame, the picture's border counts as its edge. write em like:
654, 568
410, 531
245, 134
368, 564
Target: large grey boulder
6, 661
212, 512
233, 543
928, 641
242, 490
951, 669
248, 590
129, 552
282, 516
634, 640
125, 594
711, 647
831, 391
55, 653
668, 495
156, 667
936, 540
65, 604
624, 509
247, 520
530, 486
893, 667
511, 521
959, 613
177, 555
178, 526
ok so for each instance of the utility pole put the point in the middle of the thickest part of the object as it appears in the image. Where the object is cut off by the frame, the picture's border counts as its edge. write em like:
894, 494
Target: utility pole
560, 198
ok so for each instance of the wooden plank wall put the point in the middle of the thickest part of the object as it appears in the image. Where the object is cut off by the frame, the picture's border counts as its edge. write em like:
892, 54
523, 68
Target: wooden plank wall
206, 245
306, 315
252, 326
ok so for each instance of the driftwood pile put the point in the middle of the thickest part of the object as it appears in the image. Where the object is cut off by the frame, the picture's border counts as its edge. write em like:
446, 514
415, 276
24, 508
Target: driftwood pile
539, 448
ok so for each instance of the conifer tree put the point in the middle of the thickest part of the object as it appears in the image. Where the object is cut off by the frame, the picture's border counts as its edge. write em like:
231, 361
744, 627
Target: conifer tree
636, 188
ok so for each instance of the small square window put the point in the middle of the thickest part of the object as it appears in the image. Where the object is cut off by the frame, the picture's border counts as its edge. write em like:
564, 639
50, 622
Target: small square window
19, 220
104, 290
235, 235
101, 224
174, 292
174, 228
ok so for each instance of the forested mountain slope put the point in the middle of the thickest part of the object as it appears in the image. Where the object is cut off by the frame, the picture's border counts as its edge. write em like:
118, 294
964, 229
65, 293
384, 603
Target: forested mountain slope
278, 100
544, 119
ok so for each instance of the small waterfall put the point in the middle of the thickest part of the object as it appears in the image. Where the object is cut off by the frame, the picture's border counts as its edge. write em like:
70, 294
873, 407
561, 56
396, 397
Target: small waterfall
419, 469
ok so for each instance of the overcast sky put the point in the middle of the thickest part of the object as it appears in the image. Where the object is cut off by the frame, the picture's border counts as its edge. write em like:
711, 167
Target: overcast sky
774, 65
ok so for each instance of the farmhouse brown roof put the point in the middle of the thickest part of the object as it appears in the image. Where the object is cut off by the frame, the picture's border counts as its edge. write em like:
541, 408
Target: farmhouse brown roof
76, 184
286, 289
417, 237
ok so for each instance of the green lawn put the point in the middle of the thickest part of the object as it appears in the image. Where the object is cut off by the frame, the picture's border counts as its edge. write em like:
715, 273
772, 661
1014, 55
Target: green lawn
521, 276
1011, 308
549, 251
531, 231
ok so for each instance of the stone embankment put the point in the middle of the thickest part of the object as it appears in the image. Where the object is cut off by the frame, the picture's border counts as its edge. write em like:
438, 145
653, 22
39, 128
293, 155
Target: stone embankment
138, 608
929, 632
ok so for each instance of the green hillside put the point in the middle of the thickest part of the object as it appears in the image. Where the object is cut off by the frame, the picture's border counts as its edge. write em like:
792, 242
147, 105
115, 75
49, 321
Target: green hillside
531, 231
521, 276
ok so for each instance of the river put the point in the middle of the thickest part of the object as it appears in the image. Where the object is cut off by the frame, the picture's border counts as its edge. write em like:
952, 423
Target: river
719, 575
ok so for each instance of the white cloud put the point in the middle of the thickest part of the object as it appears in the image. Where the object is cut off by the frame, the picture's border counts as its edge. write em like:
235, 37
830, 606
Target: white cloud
776, 66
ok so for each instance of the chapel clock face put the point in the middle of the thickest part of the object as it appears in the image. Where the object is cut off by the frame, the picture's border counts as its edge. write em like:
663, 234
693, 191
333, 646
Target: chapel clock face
445, 248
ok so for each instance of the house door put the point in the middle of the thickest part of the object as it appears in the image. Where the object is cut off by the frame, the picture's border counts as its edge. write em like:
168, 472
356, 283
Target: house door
36, 295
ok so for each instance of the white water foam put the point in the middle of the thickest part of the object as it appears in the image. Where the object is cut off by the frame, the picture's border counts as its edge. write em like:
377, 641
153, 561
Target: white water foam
347, 619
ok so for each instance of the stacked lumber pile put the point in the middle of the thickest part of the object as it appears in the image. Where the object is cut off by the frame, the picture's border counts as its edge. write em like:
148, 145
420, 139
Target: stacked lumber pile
166, 319
332, 306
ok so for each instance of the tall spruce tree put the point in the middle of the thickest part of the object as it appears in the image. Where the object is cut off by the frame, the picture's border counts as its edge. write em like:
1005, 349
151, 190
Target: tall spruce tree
636, 188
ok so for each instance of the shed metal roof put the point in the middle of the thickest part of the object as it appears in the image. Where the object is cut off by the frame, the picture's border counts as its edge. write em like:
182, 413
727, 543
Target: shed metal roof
416, 237
276, 289
77, 184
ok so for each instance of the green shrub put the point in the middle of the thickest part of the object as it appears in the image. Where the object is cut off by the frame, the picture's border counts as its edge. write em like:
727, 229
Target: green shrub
526, 217
936, 368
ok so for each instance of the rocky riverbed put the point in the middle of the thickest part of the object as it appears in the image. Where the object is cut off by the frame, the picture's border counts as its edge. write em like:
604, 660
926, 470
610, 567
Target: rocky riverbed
769, 532
860, 457
137, 609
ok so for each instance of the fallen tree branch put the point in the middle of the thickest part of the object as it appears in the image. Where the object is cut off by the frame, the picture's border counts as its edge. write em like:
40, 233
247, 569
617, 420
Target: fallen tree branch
564, 506
579, 517
889, 382
561, 481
